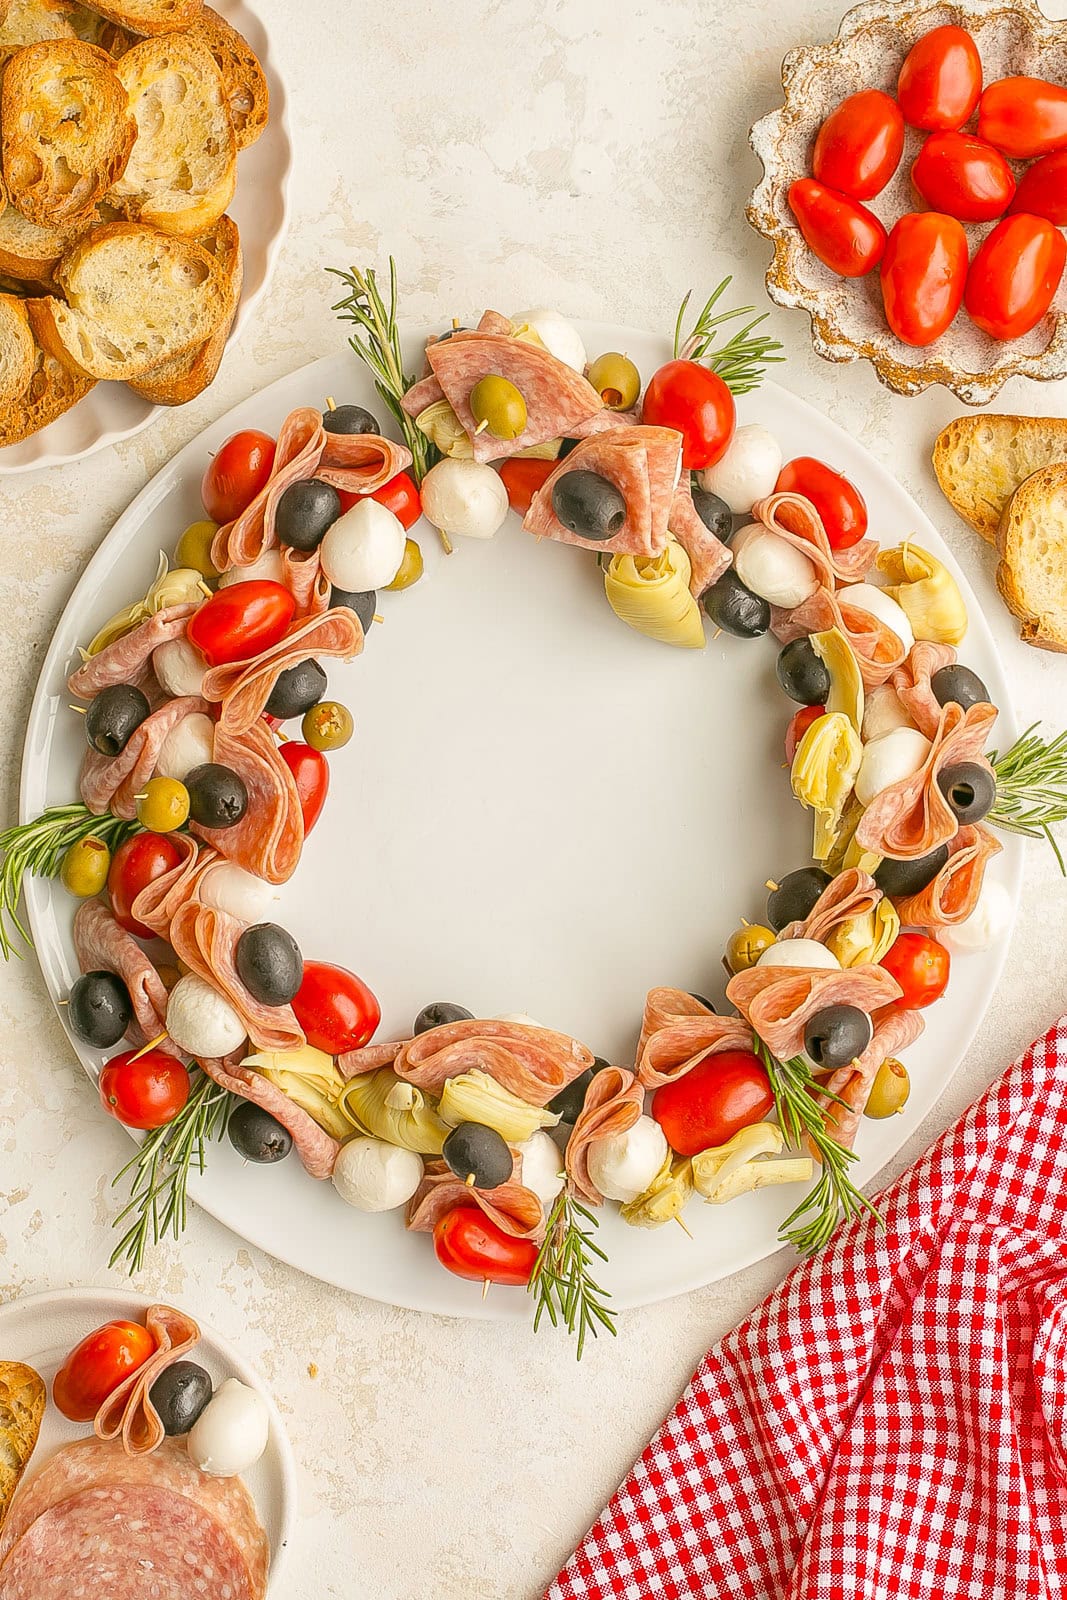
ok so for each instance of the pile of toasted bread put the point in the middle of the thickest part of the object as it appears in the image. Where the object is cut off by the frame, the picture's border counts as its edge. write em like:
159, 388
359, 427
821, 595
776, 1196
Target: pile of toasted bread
22, 1401
120, 127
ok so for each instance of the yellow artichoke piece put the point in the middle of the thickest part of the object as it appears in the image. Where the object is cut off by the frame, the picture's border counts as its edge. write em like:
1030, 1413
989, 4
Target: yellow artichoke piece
311, 1079
384, 1106
168, 588
927, 593
476, 1097
846, 680
824, 774
865, 939
741, 1165
443, 428
651, 595
666, 1196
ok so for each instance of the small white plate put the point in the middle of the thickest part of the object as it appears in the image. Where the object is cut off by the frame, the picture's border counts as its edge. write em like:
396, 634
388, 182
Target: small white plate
42, 1329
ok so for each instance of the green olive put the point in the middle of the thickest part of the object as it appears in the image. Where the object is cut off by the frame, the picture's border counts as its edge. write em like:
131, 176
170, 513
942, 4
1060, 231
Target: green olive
616, 380
497, 405
85, 867
163, 806
410, 569
327, 726
889, 1091
746, 945
194, 549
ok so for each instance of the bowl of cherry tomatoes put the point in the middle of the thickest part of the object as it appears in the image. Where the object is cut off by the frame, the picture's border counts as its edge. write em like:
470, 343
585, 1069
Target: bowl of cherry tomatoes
915, 192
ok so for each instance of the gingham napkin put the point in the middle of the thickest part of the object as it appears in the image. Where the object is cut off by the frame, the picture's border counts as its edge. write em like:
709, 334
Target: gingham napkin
891, 1424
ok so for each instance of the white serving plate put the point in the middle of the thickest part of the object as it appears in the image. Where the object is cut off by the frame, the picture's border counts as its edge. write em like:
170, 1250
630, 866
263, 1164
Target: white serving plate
541, 811
111, 412
42, 1329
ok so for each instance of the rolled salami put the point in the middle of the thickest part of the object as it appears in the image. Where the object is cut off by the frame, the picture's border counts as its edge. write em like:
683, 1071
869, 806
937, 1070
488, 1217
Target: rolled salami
708, 556
515, 1209
878, 650
851, 893
533, 1063
678, 1033
101, 945
112, 783
315, 1147
613, 1103
244, 687
913, 817
128, 1413
270, 836
778, 1002
952, 896
912, 683
643, 463
127, 660
794, 519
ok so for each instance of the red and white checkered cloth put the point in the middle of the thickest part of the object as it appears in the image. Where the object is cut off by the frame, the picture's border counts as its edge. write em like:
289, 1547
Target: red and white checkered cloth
892, 1421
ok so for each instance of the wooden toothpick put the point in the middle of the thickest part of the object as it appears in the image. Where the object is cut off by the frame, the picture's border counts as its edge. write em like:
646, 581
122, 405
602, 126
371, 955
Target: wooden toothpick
151, 1045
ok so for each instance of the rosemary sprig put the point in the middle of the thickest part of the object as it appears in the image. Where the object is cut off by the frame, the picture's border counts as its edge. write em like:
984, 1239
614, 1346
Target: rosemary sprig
1032, 788
161, 1170
561, 1277
38, 847
742, 360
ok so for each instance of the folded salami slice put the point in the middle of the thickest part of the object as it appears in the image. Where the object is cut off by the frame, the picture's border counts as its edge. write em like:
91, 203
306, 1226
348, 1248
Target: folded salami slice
244, 687
304, 578
427, 392
358, 463
495, 322
158, 901
878, 650
206, 940
112, 783
912, 683
678, 1033
354, 1063
317, 1150
128, 1413
270, 836
851, 894
101, 945
127, 660
911, 818
299, 447
613, 1103
533, 1063
603, 422
953, 894
643, 464
515, 1209
796, 520
778, 1002
894, 1030
708, 556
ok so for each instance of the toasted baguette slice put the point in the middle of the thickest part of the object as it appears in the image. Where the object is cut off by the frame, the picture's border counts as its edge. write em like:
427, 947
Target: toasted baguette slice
135, 297
1032, 544
174, 382
150, 17
22, 1401
30, 21
53, 388
183, 168
28, 251
17, 350
246, 86
980, 461
65, 130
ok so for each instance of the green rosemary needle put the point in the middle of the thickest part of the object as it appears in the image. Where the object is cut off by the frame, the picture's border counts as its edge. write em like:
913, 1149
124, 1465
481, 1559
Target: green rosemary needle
742, 360
561, 1279
38, 848
1032, 788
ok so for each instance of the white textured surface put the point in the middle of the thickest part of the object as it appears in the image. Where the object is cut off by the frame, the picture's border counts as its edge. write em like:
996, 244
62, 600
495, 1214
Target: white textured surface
591, 155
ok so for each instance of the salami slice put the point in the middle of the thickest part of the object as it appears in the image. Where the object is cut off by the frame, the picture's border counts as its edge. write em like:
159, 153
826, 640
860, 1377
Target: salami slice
270, 836
315, 1147
878, 650
112, 783
851, 894
777, 1002
603, 422
708, 556
158, 901
912, 683
894, 1030
613, 1103
533, 1063
306, 581
496, 322
557, 398
359, 463
128, 1413
101, 945
354, 1063
515, 1209
206, 940
911, 818
126, 660
427, 392
643, 464
953, 894
678, 1033
244, 687
796, 521
299, 447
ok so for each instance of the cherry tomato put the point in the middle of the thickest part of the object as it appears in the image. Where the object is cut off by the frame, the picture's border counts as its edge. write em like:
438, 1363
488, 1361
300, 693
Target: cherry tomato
400, 496
696, 402
144, 1093
924, 272
137, 862
1024, 117
311, 773
859, 146
799, 724
242, 621
522, 478
1042, 189
335, 1008
920, 965
941, 80
1014, 276
95, 1368
844, 235
840, 505
236, 474
719, 1097
470, 1245
964, 177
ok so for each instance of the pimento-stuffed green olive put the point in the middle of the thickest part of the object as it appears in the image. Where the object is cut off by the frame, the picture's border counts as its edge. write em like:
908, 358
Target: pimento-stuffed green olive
327, 726
616, 380
85, 867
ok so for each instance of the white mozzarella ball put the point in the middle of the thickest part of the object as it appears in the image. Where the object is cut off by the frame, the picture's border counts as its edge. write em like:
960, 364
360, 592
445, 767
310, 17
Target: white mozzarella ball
798, 953
773, 568
363, 549
623, 1165
179, 666
464, 497
865, 597
230, 888
542, 1167
883, 712
560, 337
988, 924
888, 760
201, 1021
747, 472
190, 743
231, 1432
375, 1176
268, 565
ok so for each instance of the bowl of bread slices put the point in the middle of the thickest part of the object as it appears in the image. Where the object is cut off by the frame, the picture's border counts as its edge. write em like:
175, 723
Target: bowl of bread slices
131, 133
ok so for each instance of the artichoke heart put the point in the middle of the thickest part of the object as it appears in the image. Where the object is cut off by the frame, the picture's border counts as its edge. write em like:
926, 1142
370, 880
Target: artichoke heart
738, 1166
824, 774
168, 588
525, 333
865, 939
443, 428
476, 1097
651, 595
666, 1196
309, 1078
926, 592
846, 682
384, 1106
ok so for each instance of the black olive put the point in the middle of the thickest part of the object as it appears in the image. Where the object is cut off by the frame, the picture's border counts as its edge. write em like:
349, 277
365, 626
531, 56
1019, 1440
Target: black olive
100, 1009
437, 1014
714, 513
970, 789
588, 505
795, 896
269, 963
217, 795
801, 674
568, 1103
473, 1150
958, 686
257, 1136
304, 513
703, 999
836, 1035
735, 609
180, 1394
898, 879
364, 602
565, 448
114, 717
297, 690
449, 333
350, 419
